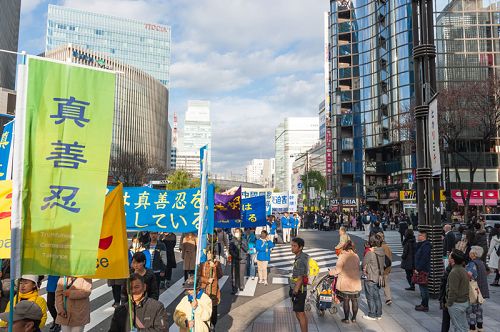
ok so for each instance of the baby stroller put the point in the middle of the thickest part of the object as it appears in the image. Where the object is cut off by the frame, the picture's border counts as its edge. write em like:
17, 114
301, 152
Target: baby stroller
322, 295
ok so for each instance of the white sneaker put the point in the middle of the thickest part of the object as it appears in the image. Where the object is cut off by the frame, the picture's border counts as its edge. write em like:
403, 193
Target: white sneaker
253, 278
369, 318
265, 283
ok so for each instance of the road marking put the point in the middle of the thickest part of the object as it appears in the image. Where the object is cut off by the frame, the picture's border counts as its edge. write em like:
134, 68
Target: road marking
249, 289
280, 281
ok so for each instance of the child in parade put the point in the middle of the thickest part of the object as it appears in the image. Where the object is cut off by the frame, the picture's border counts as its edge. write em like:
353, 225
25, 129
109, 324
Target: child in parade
197, 301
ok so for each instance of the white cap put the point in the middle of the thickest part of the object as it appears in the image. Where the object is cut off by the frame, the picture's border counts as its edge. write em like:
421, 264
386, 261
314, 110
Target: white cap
30, 277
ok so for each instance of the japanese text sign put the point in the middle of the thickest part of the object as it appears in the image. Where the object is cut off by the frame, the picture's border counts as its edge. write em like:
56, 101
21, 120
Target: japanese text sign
67, 140
178, 211
227, 207
253, 214
254, 192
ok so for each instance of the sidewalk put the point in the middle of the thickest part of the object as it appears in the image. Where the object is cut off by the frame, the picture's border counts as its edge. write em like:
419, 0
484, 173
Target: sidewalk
400, 316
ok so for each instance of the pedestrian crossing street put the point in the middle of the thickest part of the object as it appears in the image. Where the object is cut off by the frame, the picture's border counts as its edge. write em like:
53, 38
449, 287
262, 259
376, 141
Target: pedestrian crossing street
282, 258
392, 238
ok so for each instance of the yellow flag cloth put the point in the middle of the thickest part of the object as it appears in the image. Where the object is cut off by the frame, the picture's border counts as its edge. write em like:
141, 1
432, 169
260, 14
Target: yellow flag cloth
5, 214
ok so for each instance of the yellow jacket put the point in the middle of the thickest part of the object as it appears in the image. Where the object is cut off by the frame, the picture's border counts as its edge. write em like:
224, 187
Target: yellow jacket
33, 297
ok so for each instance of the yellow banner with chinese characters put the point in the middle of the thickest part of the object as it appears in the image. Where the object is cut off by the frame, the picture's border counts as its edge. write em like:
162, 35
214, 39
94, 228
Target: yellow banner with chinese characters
5, 212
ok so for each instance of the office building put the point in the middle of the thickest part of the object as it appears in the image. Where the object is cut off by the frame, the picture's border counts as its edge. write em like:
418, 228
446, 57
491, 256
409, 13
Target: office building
143, 45
468, 51
294, 136
188, 161
140, 125
9, 28
196, 134
371, 85
261, 171
9, 35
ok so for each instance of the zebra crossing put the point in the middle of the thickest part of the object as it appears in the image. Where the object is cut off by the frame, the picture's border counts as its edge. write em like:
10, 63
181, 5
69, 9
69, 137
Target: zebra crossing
282, 258
392, 238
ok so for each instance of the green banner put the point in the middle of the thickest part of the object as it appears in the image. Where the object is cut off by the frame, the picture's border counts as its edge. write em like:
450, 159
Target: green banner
67, 140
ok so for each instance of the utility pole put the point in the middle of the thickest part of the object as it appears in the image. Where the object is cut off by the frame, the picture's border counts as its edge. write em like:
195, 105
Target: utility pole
424, 54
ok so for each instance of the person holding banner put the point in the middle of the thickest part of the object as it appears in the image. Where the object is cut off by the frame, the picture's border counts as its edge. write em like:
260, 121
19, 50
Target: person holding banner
73, 303
263, 247
147, 314
28, 291
286, 225
200, 303
252, 253
210, 272
238, 249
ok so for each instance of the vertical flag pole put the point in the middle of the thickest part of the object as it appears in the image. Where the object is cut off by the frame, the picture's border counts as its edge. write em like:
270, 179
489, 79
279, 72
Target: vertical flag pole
17, 174
201, 224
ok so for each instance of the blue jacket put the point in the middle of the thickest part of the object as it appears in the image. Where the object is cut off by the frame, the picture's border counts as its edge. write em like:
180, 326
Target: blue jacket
264, 250
286, 222
52, 284
273, 228
295, 222
423, 256
251, 240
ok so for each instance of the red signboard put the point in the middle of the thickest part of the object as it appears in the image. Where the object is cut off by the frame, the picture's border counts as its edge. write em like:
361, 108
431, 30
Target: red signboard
329, 158
476, 197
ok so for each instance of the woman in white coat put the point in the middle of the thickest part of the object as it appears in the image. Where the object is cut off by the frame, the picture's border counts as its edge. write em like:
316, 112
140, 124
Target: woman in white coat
492, 253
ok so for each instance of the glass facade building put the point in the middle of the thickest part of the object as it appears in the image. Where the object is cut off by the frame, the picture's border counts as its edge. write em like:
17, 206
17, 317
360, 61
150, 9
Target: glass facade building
145, 46
371, 86
9, 34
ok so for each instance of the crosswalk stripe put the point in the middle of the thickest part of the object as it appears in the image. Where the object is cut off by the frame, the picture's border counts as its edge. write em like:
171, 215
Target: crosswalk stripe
250, 287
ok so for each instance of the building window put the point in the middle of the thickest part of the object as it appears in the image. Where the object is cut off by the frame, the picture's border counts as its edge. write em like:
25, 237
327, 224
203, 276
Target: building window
99, 32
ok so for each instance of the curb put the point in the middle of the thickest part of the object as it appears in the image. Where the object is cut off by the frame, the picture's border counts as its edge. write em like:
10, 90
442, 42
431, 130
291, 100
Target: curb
239, 319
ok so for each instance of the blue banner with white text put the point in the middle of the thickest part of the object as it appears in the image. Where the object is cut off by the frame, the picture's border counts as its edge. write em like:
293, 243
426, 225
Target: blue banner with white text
176, 211
253, 214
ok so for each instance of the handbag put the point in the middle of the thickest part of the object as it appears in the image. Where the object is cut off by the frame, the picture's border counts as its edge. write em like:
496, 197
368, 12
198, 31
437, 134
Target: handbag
381, 280
475, 295
420, 278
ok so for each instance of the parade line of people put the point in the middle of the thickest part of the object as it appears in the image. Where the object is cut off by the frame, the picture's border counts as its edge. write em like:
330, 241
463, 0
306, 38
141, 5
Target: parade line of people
464, 286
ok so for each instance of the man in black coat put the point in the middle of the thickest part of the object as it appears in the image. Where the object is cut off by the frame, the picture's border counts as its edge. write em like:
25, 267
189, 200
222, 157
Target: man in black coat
448, 241
403, 226
170, 241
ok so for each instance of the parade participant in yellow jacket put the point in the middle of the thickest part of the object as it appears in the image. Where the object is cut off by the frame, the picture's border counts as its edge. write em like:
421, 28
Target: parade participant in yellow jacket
28, 291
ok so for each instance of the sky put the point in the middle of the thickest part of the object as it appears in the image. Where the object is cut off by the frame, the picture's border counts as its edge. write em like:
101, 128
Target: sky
256, 61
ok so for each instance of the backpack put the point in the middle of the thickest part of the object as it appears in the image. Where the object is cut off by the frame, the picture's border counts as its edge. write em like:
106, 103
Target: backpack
313, 268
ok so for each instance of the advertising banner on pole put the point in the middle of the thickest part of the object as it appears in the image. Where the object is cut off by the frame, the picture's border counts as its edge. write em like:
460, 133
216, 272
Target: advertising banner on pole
66, 148
5, 213
433, 138
6, 150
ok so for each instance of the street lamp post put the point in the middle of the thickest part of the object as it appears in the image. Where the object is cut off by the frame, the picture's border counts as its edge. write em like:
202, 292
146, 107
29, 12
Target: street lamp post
424, 54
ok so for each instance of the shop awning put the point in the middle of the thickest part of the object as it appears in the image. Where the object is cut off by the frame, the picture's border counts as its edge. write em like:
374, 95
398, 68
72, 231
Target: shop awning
477, 201
386, 201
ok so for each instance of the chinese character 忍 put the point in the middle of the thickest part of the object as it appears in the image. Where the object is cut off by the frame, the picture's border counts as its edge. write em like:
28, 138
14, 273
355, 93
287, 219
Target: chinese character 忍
180, 201
70, 109
57, 195
67, 155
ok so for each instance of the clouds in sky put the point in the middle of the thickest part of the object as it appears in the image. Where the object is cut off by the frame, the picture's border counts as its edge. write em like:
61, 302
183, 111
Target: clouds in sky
256, 61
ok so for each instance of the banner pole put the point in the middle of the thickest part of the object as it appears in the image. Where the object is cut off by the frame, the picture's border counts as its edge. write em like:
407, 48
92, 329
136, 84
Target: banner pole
17, 175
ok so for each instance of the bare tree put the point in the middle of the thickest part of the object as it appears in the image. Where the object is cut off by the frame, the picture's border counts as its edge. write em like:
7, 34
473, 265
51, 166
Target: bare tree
468, 122
130, 169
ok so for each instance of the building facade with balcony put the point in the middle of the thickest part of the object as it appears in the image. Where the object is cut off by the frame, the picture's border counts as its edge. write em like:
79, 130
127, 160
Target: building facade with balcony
371, 85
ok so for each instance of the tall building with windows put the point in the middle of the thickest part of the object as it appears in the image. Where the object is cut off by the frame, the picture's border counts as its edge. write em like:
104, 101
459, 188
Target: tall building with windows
196, 134
371, 85
468, 51
9, 34
261, 171
293, 137
143, 45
